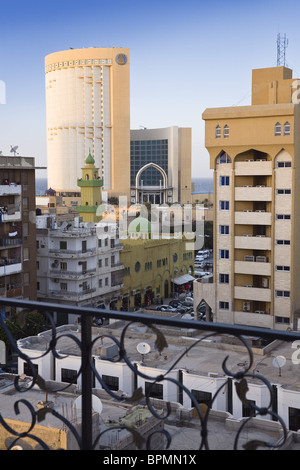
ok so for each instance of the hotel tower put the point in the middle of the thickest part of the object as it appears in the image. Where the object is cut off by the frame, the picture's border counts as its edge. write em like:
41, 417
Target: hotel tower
88, 111
255, 154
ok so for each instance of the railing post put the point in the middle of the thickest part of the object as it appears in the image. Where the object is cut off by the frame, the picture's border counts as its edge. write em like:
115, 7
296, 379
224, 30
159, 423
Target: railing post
86, 405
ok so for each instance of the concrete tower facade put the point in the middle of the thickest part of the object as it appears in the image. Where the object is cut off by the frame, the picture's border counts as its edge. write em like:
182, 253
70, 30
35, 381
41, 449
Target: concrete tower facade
88, 109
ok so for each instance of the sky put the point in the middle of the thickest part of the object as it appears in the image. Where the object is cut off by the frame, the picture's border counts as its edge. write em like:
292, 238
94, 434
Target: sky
184, 57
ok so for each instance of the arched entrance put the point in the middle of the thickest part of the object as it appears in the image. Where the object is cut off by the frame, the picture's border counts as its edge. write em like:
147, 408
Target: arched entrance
153, 187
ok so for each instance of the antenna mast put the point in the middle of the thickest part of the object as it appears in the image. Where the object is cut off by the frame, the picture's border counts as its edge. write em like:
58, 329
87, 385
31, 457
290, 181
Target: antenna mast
282, 44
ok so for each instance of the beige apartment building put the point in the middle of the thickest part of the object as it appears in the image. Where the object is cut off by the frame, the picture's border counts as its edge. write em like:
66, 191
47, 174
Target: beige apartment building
255, 154
88, 110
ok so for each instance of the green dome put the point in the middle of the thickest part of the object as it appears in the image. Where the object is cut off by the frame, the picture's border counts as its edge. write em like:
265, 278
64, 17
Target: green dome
90, 159
139, 225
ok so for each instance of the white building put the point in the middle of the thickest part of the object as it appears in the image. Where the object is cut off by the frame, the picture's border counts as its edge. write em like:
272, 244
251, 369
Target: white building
199, 371
75, 266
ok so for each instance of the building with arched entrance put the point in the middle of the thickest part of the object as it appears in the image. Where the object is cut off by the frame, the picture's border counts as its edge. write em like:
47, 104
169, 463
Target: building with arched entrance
254, 152
160, 165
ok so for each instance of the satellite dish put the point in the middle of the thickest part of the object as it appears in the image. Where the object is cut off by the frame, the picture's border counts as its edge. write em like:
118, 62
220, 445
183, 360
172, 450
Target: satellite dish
96, 404
14, 149
143, 348
279, 361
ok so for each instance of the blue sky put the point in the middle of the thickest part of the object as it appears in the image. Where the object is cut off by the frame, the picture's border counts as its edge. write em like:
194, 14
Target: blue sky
185, 57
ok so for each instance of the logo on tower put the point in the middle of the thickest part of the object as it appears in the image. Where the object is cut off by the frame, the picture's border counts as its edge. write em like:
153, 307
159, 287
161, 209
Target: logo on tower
121, 59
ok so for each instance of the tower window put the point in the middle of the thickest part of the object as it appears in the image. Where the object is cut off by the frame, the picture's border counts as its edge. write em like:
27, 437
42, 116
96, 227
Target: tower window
218, 132
287, 128
226, 131
277, 130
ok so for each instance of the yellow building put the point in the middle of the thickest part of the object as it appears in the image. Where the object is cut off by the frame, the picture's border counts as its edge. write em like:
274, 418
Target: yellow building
153, 269
88, 107
254, 152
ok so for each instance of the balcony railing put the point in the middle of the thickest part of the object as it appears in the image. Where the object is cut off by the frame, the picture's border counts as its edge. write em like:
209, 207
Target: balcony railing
49, 347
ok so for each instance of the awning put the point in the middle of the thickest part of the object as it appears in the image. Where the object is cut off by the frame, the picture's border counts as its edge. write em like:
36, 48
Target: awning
183, 279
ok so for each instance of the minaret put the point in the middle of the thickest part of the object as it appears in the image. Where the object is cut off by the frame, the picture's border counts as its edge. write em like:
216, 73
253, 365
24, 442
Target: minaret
90, 185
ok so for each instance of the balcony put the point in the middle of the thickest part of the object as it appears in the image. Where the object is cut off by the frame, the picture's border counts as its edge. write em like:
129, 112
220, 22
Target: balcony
249, 242
253, 167
248, 217
253, 193
255, 268
12, 267
10, 189
252, 293
159, 391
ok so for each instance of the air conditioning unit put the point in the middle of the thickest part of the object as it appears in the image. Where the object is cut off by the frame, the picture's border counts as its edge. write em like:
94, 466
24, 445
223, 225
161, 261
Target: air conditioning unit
261, 259
265, 282
246, 306
133, 292
249, 258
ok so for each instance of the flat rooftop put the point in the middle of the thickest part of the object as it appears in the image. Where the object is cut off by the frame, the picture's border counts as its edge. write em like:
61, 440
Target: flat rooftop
198, 352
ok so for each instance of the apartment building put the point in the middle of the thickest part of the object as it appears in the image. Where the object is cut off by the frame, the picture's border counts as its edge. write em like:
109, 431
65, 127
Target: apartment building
254, 152
17, 227
76, 266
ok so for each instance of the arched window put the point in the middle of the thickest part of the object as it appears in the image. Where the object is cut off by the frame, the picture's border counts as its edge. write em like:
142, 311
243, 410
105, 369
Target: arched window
225, 131
218, 132
286, 128
277, 129
224, 158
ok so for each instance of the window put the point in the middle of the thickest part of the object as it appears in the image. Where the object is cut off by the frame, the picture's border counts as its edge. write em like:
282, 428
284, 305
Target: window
99, 242
63, 286
283, 191
106, 262
63, 245
224, 305
226, 131
154, 390
283, 216
111, 382
287, 128
224, 229
224, 205
224, 180
63, 266
277, 129
100, 263
224, 278
282, 320
218, 132
224, 254
106, 281
202, 397
283, 268
224, 158
283, 242
69, 376
100, 283
137, 267
282, 293
83, 244
284, 164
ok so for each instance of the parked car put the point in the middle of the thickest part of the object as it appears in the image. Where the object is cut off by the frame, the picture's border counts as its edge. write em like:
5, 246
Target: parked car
175, 303
189, 300
168, 308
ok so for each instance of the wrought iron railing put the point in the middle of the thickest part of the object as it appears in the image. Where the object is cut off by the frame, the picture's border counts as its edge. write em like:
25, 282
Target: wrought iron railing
86, 439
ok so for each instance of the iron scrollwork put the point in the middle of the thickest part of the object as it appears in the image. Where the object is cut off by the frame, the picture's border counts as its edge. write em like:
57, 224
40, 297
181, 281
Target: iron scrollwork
203, 411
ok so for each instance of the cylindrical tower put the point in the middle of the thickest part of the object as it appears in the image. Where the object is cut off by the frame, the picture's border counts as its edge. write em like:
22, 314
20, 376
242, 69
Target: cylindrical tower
88, 109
